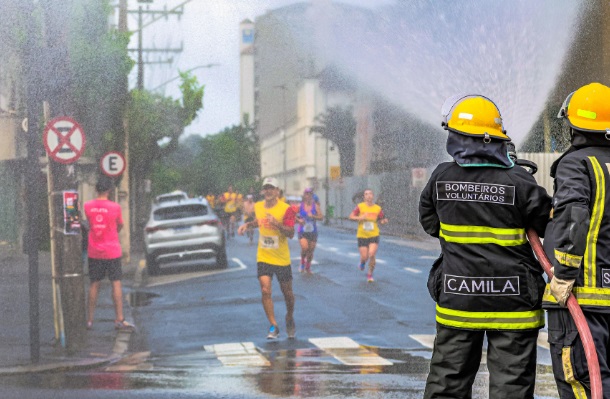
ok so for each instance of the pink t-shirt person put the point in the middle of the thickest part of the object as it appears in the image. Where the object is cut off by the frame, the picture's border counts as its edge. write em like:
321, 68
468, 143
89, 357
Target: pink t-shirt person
104, 217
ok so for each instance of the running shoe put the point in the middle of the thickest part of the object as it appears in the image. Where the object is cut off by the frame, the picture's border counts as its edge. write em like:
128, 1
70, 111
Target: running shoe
308, 268
369, 278
302, 268
89, 325
124, 326
291, 328
361, 266
274, 332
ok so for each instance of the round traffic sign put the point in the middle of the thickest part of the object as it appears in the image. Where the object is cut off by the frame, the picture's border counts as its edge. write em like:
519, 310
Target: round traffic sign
64, 140
113, 164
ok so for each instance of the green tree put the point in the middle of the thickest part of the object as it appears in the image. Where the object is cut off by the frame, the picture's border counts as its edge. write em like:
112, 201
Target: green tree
155, 123
229, 157
209, 164
338, 125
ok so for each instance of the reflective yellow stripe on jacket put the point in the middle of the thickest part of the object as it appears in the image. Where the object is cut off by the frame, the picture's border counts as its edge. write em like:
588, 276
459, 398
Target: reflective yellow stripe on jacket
490, 320
591, 296
482, 235
590, 272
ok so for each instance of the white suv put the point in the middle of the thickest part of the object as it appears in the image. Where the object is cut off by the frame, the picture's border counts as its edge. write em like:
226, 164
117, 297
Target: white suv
181, 230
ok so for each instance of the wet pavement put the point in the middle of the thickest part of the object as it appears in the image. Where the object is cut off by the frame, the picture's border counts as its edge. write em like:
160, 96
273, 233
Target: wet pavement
199, 335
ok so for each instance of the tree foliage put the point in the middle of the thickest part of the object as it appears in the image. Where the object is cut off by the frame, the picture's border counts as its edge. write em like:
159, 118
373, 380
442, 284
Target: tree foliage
100, 65
210, 164
155, 123
338, 125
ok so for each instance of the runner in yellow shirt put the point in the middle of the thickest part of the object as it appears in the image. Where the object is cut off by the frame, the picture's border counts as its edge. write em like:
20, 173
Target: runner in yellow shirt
368, 215
229, 199
275, 221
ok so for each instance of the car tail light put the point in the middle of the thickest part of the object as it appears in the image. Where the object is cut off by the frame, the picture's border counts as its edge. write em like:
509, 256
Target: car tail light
154, 229
209, 223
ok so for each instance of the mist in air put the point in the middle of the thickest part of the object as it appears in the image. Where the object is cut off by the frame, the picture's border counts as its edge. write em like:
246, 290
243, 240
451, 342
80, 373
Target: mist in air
418, 53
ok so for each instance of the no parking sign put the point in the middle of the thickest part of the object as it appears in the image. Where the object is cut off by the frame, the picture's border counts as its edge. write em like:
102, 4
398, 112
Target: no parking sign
64, 140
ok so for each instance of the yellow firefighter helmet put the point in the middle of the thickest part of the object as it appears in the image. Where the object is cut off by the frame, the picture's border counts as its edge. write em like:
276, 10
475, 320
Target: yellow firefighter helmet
588, 108
473, 115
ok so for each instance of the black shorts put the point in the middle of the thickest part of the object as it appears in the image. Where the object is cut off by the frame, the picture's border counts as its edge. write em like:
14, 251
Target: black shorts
100, 268
283, 273
365, 242
309, 236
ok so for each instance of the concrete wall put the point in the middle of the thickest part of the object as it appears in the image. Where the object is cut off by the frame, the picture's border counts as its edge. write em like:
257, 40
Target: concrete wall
398, 192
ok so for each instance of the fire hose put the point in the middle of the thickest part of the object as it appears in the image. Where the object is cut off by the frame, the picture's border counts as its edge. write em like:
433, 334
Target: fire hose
579, 319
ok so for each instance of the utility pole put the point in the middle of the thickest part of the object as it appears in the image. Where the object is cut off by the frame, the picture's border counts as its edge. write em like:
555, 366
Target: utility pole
141, 50
33, 102
124, 197
63, 185
134, 184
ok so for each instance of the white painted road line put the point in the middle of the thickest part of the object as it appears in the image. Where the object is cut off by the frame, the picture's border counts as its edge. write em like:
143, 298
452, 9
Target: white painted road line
410, 269
427, 340
428, 257
349, 352
238, 354
313, 262
543, 340
381, 261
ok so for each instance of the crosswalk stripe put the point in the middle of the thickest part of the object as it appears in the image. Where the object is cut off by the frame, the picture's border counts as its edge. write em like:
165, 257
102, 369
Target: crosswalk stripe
410, 269
238, 354
381, 261
427, 340
313, 262
349, 352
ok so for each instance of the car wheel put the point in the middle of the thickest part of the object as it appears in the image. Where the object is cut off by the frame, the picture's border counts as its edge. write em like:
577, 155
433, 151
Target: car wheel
221, 258
151, 265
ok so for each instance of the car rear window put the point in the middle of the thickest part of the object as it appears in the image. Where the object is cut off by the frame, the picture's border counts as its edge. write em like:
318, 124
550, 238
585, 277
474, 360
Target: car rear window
170, 198
180, 212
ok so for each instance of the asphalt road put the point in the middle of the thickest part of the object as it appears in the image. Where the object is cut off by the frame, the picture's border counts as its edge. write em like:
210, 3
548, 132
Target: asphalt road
202, 331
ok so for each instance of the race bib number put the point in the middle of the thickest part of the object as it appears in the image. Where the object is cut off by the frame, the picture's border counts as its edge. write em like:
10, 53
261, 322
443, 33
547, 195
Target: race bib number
308, 228
270, 242
230, 208
368, 226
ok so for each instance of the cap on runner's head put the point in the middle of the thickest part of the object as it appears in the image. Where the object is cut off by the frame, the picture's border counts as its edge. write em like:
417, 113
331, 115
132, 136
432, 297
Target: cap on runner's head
249, 196
271, 181
308, 190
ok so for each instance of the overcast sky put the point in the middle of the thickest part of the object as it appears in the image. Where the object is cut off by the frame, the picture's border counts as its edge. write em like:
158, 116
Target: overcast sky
209, 31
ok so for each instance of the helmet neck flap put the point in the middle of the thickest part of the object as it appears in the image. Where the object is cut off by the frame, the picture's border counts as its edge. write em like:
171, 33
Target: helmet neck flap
470, 151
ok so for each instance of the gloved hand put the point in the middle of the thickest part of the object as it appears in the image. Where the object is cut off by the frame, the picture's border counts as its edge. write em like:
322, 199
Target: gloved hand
561, 289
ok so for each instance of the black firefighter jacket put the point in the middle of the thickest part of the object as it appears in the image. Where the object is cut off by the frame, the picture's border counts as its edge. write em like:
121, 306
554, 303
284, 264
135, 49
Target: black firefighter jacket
577, 240
487, 276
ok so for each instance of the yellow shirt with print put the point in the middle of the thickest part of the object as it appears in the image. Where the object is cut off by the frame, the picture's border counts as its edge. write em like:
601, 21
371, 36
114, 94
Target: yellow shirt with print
230, 204
272, 245
211, 200
368, 228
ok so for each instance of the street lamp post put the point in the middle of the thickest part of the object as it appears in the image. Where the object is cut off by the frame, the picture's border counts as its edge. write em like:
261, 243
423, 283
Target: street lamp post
284, 171
327, 188
188, 70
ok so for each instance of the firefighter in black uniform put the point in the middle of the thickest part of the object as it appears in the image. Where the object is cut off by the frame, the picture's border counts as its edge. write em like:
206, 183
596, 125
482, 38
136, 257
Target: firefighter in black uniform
578, 241
487, 281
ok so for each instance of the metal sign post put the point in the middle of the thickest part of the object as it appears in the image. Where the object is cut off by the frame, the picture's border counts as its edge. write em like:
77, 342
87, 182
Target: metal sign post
64, 141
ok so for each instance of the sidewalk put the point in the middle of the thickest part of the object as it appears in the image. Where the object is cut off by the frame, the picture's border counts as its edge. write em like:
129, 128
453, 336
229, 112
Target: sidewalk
103, 344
